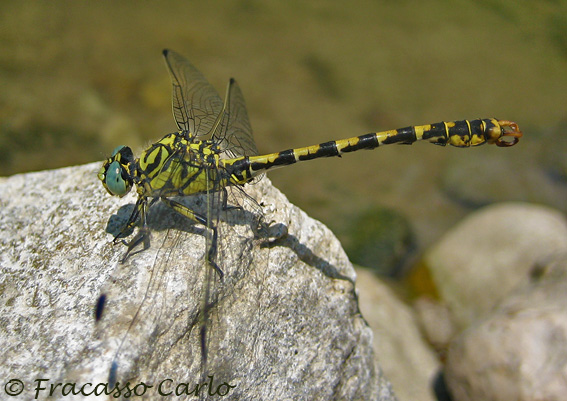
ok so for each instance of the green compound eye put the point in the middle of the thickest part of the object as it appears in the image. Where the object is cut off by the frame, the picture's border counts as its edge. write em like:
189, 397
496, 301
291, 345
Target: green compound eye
114, 180
116, 150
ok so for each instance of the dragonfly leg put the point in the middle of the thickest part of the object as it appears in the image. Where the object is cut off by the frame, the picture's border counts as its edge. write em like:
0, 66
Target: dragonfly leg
143, 235
139, 210
196, 217
225, 205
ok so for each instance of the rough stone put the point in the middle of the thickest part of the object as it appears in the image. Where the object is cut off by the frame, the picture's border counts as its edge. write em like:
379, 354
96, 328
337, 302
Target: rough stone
407, 360
285, 324
519, 352
436, 322
477, 263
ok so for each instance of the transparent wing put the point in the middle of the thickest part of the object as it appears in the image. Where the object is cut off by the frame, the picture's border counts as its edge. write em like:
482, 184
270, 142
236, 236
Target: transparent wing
196, 104
234, 134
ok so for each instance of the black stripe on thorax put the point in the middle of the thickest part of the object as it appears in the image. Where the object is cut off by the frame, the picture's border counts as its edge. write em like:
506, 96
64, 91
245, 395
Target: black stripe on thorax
156, 150
188, 180
159, 147
192, 171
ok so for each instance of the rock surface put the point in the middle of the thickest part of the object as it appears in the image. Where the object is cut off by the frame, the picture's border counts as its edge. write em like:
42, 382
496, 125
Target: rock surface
519, 352
407, 360
286, 323
436, 323
490, 253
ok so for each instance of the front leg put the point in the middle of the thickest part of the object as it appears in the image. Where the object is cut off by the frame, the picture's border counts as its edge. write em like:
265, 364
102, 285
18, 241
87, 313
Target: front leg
139, 210
143, 234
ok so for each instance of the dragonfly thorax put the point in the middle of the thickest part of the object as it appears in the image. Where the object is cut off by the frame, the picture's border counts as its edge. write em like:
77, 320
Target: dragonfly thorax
179, 165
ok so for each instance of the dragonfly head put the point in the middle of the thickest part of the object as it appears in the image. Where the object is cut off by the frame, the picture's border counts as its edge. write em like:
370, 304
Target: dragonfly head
115, 172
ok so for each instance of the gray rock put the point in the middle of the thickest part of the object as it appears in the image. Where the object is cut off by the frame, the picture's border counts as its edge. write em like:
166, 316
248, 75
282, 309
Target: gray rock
285, 324
477, 263
519, 352
436, 322
405, 357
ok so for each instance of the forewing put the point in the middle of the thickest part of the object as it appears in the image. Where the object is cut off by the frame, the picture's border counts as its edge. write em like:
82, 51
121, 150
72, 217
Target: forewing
196, 104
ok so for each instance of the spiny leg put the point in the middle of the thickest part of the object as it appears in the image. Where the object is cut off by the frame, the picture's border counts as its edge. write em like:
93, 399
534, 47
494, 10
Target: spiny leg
138, 210
225, 205
143, 234
192, 215
207, 302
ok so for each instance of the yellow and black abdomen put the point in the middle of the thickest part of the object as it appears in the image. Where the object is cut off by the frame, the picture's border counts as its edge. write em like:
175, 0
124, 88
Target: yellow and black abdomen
463, 133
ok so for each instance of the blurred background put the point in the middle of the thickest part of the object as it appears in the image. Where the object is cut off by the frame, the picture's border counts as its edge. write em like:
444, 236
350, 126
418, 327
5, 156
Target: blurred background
79, 78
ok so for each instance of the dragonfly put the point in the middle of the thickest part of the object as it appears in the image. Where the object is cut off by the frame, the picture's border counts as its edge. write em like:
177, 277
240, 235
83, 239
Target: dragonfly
214, 148
213, 151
